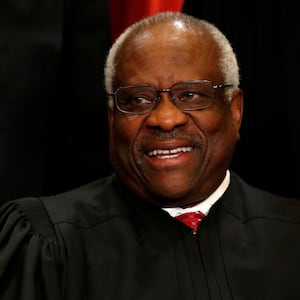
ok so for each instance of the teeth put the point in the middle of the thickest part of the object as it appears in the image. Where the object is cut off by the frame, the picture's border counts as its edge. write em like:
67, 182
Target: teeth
169, 153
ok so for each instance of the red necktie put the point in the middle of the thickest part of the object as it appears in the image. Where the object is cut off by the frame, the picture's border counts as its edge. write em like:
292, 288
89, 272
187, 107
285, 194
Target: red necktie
191, 219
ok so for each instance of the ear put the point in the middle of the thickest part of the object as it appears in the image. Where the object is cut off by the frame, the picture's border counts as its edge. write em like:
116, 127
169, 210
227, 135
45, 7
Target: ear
236, 107
110, 114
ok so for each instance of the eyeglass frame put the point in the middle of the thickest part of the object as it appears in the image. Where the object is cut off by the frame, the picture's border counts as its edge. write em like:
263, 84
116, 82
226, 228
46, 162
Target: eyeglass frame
168, 90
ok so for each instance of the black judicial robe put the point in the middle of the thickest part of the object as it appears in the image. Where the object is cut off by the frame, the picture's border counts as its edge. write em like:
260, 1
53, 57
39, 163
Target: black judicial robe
100, 242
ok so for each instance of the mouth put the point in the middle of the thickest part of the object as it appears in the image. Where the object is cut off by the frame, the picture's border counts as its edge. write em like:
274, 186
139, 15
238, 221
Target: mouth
169, 153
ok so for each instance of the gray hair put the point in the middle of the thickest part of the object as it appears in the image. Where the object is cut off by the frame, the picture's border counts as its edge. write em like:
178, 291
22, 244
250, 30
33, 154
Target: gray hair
227, 60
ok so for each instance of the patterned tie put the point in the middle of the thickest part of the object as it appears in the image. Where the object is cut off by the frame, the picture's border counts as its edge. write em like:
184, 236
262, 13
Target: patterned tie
191, 219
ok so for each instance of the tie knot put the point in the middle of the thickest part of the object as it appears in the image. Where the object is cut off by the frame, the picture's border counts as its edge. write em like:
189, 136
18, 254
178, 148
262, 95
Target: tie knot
191, 219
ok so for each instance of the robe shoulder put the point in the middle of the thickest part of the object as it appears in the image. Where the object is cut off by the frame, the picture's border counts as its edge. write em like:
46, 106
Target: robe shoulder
29, 264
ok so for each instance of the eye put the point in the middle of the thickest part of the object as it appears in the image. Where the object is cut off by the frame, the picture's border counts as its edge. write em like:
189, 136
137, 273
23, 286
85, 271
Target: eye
141, 100
187, 95
134, 99
194, 96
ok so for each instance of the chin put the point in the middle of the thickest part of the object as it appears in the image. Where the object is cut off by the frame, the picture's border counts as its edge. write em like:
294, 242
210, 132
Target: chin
168, 197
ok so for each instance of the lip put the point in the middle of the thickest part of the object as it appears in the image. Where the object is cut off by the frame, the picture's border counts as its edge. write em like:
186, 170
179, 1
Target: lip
168, 154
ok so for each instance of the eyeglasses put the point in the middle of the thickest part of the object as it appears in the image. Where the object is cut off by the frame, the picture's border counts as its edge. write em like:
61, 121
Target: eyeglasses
186, 95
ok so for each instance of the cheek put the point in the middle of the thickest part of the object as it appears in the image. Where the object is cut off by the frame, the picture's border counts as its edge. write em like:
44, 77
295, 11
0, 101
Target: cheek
210, 122
124, 131
120, 140
123, 127
219, 129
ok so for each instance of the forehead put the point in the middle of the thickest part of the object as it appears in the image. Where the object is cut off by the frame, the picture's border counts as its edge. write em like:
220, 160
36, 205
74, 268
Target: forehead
164, 49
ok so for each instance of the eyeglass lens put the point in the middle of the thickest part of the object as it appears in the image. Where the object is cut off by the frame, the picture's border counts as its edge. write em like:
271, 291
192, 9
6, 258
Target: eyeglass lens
185, 95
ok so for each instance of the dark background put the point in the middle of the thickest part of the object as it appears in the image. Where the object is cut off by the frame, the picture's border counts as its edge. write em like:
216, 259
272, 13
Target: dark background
53, 127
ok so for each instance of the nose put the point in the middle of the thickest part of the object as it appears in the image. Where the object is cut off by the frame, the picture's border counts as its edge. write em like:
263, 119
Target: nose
166, 115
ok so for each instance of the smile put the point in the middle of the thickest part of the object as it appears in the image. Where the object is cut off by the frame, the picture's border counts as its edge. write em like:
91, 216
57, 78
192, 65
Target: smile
172, 153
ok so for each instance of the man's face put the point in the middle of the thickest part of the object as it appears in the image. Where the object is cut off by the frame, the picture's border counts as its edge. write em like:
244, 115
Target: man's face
168, 156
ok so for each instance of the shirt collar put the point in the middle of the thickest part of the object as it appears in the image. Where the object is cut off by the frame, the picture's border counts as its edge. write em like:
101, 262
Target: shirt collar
205, 205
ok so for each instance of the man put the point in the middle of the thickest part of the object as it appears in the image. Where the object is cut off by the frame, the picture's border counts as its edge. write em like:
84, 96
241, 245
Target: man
174, 114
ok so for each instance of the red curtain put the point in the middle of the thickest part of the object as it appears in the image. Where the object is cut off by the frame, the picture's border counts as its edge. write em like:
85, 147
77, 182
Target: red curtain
125, 12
